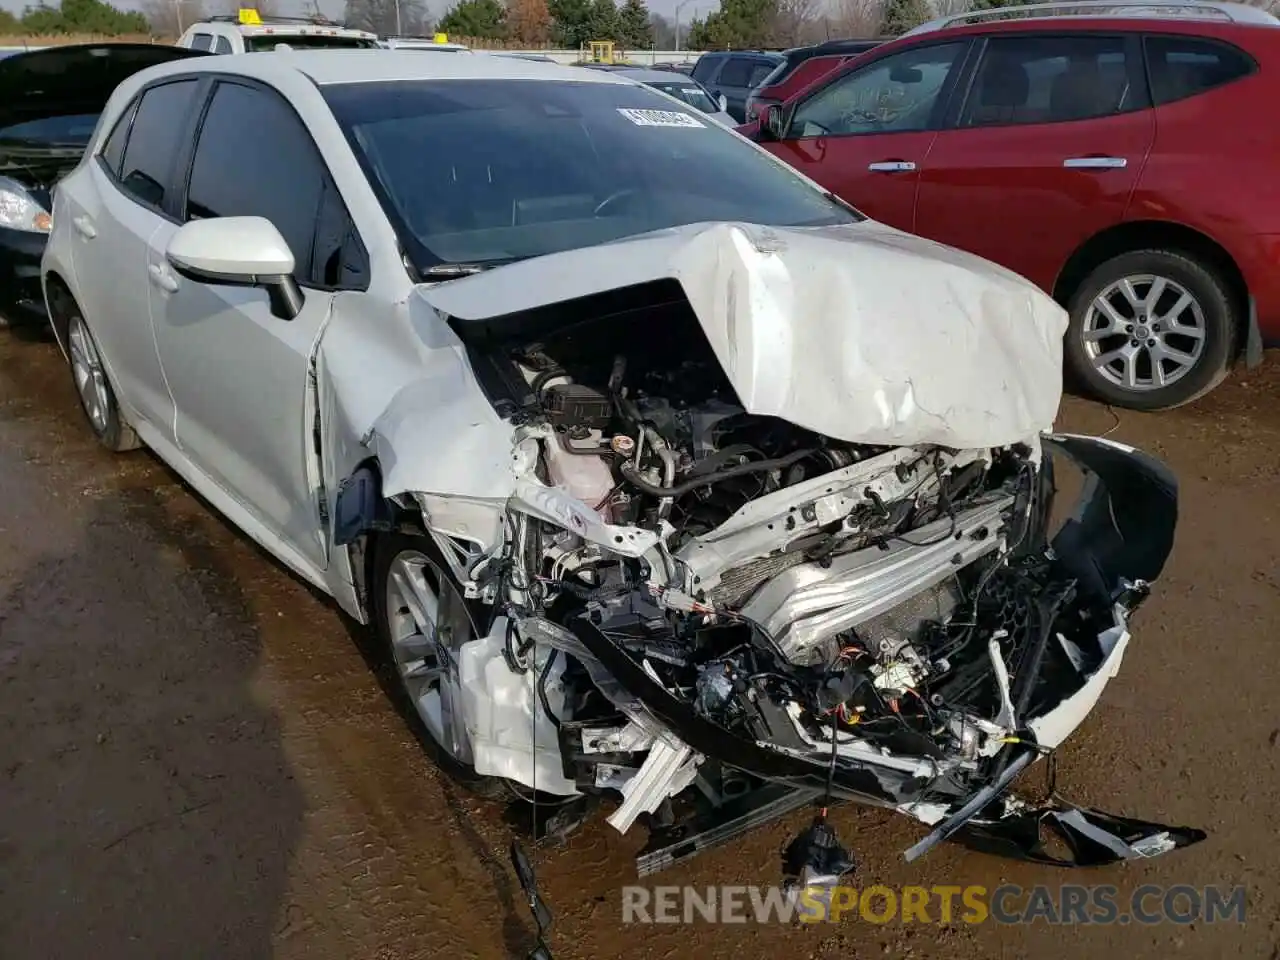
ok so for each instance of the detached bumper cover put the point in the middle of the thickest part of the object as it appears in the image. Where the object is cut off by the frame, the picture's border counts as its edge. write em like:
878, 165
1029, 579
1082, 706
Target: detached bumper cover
1093, 838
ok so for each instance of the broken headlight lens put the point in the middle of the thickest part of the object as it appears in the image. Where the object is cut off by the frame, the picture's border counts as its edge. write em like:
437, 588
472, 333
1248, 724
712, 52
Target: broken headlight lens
19, 210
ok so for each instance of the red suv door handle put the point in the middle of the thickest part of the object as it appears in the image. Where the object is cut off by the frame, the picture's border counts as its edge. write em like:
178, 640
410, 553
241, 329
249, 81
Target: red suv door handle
1095, 163
891, 166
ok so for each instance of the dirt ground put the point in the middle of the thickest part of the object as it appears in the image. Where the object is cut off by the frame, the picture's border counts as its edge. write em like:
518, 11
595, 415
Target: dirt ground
197, 759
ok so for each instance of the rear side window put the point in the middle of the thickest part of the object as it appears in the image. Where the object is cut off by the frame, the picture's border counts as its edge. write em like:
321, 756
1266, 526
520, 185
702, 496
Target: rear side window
281, 177
202, 41
154, 140
222, 45
1049, 80
113, 151
760, 70
735, 72
1181, 67
778, 73
705, 67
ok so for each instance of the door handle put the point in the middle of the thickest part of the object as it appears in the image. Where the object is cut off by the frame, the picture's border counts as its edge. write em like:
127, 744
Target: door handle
84, 226
892, 166
1095, 163
162, 278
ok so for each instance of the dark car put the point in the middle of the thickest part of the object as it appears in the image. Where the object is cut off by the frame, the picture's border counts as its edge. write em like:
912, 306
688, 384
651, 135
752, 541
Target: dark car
735, 73
800, 66
49, 105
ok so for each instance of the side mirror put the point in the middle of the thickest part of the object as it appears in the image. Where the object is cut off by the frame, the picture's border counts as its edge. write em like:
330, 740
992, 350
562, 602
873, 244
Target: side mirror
238, 252
774, 121
723, 102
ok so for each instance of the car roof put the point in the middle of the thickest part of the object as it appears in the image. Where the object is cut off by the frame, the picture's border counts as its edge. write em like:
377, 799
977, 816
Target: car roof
835, 47
646, 75
1146, 11
373, 66
717, 54
1184, 26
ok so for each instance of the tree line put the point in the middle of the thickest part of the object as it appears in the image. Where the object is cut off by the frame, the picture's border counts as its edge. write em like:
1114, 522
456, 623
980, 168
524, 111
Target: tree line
74, 16
569, 24
562, 23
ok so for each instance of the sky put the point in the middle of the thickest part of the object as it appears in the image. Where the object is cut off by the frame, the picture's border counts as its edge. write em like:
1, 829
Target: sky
333, 8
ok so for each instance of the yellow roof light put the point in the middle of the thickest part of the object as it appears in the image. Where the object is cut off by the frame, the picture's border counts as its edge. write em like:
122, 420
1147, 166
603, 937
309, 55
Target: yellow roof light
249, 17
442, 38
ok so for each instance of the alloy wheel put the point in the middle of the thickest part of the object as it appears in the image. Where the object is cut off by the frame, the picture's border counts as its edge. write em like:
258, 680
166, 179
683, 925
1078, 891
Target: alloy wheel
1144, 332
90, 378
427, 623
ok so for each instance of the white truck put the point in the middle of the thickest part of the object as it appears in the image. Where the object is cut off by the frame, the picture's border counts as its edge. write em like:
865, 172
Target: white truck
249, 32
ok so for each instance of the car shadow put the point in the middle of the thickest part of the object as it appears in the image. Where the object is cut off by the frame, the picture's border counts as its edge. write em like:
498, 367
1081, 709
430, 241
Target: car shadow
147, 808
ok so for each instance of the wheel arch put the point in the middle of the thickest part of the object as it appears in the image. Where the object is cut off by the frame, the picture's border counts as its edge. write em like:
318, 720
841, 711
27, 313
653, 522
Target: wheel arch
360, 511
1157, 235
55, 286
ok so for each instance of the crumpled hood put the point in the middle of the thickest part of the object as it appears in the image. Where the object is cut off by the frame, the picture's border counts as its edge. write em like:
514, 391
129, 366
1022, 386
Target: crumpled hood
859, 332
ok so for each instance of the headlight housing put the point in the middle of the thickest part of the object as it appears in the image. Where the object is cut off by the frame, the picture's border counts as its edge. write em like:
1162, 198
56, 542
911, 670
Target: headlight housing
19, 210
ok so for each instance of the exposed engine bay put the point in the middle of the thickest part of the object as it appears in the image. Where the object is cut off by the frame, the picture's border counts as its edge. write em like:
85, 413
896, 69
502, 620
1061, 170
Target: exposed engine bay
37, 168
714, 617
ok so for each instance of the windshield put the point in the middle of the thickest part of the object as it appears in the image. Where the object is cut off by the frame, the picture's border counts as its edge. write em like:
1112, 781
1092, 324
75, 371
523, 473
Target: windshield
690, 93
483, 171
73, 131
301, 41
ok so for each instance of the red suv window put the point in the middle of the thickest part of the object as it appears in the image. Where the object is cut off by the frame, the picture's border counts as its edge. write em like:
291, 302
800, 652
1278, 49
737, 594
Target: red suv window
1181, 67
1050, 79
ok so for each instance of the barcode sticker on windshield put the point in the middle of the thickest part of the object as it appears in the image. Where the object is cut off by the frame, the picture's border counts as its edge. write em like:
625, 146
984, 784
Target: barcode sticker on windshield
659, 118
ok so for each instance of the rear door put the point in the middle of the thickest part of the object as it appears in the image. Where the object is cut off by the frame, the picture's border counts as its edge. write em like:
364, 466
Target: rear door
866, 132
1045, 151
124, 197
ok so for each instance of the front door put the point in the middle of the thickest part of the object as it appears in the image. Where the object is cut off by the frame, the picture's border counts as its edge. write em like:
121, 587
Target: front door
238, 373
1045, 153
866, 134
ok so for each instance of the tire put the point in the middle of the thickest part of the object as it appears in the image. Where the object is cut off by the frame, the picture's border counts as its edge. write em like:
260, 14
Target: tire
1191, 325
93, 388
391, 552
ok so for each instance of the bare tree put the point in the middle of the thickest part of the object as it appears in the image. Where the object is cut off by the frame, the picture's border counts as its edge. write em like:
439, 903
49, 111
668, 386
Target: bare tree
851, 19
388, 17
223, 8
168, 18
791, 20
949, 8
529, 21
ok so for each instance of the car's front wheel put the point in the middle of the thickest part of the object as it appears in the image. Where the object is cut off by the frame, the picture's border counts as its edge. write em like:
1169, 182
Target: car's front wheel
422, 621
89, 375
1151, 329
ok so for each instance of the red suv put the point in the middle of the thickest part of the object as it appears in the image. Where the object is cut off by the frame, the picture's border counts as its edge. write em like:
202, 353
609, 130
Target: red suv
800, 67
1123, 162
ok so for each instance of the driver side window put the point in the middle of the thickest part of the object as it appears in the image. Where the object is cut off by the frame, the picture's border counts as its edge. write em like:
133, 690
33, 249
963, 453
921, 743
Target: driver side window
895, 95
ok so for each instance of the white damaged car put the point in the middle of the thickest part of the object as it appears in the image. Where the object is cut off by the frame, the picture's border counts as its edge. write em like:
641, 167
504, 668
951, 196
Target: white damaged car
667, 479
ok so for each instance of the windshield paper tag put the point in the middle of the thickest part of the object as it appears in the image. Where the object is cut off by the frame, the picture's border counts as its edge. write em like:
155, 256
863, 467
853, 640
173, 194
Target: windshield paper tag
659, 118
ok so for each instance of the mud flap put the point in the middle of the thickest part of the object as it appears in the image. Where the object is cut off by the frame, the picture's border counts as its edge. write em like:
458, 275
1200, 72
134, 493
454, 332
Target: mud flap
1093, 838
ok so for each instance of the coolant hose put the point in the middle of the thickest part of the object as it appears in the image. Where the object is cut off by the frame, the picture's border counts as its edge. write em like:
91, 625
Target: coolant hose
760, 466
